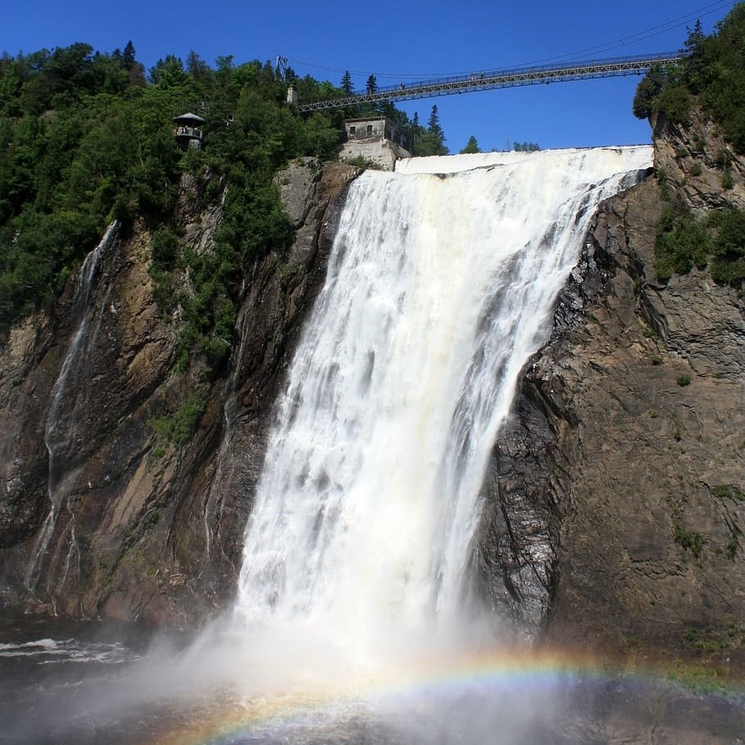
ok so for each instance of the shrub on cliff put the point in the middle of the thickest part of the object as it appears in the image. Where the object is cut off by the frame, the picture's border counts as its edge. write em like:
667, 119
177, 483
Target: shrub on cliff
681, 243
716, 242
710, 75
728, 250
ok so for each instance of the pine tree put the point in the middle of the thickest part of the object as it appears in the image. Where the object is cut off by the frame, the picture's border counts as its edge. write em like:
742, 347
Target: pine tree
197, 67
372, 85
346, 83
696, 64
694, 40
432, 141
471, 146
128, 57
433, 125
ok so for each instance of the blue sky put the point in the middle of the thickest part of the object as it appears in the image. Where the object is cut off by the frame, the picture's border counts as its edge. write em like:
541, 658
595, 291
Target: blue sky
402, 42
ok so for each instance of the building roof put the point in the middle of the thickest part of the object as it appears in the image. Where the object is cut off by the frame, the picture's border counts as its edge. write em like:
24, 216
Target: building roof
189, 117
373, 118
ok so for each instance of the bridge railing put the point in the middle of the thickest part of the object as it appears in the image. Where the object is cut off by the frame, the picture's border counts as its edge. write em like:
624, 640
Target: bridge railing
504, 78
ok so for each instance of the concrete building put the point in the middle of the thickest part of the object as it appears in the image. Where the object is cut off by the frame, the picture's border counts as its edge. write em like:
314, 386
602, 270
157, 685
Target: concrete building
376, 139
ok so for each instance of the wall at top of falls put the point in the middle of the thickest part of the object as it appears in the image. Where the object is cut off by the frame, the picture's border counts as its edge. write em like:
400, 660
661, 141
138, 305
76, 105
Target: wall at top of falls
469, 161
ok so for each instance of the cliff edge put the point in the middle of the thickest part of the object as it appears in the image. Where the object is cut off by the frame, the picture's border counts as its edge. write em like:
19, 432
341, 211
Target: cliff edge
615, 506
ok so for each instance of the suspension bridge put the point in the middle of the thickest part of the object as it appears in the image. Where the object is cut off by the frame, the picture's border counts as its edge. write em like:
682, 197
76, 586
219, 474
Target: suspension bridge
509, 78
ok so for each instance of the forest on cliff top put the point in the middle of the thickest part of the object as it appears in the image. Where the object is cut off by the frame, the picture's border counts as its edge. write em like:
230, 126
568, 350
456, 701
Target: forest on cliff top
87, 138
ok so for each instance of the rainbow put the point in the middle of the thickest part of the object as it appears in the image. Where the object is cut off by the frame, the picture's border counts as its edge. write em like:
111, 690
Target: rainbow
518, 678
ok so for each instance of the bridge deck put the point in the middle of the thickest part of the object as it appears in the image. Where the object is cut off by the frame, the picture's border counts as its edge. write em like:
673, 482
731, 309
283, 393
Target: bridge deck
482, 81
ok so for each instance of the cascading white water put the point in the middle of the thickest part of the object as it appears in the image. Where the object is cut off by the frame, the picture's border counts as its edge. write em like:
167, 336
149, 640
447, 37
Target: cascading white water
439, 288
60, 437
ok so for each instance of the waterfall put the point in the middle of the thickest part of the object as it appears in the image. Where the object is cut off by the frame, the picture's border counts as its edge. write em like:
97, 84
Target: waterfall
61, 436
440, 286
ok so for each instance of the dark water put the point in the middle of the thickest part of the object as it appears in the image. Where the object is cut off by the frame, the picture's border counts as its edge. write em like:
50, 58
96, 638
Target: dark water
65, 683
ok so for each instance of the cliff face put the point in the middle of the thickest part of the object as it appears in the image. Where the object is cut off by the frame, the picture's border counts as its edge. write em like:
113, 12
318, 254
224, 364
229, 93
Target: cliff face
100, 516
615, 506
697, 165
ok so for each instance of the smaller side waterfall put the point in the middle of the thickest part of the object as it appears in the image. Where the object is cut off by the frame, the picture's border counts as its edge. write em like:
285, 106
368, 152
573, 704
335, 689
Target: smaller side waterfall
61, 436
439, 289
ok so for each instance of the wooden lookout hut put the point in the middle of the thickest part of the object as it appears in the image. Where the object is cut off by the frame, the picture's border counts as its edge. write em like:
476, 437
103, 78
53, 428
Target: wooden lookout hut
188, 132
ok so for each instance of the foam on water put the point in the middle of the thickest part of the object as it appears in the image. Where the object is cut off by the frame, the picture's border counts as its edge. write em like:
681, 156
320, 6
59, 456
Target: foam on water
50, 651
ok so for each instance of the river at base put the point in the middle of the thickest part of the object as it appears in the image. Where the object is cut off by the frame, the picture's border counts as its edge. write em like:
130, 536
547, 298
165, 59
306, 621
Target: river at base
67, 682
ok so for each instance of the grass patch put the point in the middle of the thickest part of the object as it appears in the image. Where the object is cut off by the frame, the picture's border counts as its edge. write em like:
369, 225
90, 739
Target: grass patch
179, 427
688, 540
700, 679
728, 491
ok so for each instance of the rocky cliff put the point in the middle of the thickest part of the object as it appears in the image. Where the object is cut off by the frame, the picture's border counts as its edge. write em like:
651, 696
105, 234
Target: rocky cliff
615, 506
100, 516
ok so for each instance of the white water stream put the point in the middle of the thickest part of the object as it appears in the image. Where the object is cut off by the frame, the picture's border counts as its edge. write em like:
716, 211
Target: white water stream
439, 289
61, 436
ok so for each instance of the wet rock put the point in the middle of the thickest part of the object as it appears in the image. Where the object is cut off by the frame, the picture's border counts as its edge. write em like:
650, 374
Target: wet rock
99, 517
626, 447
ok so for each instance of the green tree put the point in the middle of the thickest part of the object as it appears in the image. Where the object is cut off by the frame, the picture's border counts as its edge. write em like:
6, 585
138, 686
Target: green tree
525, 147
431, 140
11, 80
711, 74
651, 85
433, 125
128, 56
168, 72
346, 83
694, 49
69, 72
135, 70
112, 77
471, 146
198, 68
